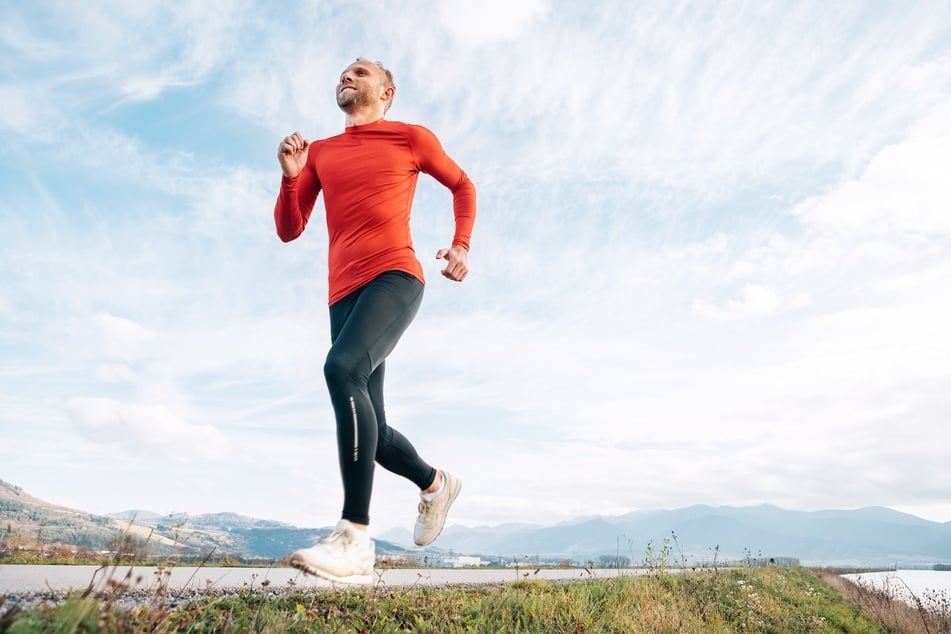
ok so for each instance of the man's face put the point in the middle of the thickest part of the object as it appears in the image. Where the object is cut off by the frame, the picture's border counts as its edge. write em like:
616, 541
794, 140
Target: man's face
360, 84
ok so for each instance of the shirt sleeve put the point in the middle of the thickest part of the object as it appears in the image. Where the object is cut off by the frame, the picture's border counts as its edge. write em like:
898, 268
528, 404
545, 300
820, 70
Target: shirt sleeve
433, 160
295, 201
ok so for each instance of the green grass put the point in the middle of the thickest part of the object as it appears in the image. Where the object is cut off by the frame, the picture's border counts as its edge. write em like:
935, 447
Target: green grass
755, 600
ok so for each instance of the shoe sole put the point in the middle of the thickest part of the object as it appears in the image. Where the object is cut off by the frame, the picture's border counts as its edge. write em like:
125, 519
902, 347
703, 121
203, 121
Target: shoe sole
317, 572
452, 498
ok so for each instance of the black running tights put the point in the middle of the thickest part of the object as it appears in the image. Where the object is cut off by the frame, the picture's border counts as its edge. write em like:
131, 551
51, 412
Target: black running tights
364, 328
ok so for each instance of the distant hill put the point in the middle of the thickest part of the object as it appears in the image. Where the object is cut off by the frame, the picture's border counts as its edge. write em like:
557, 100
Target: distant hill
165, 535
22, 514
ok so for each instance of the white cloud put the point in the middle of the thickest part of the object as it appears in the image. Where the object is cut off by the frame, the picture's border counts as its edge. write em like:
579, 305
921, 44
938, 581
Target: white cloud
754, 301
905, 188
115, 373
122, 338
489, 20
205, 37
145, 429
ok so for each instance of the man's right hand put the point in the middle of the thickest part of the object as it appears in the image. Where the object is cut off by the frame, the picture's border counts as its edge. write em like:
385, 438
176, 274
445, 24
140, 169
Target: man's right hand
292, 154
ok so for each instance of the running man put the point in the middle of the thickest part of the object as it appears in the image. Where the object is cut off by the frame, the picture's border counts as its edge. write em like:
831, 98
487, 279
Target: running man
368, 177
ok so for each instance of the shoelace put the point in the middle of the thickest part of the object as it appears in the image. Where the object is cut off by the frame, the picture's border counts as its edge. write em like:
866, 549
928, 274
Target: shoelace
349, 543
425, 508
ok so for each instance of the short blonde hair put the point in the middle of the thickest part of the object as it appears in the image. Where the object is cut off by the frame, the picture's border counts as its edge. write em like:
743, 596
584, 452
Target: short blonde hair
387, 77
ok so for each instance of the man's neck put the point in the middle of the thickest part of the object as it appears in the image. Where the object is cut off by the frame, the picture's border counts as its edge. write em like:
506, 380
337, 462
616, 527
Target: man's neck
363, 116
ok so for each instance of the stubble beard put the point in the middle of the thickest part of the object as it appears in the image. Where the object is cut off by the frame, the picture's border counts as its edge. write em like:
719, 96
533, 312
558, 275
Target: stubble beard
350, 98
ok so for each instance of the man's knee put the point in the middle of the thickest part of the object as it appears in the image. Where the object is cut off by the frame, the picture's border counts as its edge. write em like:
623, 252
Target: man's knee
338, 370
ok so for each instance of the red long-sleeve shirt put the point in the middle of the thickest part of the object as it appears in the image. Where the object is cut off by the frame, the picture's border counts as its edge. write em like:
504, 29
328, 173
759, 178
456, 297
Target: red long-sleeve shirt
368, 175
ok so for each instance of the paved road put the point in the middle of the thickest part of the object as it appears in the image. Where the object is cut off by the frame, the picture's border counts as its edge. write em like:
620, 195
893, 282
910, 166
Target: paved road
22, 579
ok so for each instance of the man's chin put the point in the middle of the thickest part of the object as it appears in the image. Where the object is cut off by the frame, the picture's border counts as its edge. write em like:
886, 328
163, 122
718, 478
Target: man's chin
347, 102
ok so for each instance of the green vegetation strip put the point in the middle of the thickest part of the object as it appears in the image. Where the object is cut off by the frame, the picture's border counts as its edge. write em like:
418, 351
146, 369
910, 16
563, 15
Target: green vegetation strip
758, 600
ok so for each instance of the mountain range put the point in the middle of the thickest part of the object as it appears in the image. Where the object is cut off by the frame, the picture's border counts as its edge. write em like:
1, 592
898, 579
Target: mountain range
696, 535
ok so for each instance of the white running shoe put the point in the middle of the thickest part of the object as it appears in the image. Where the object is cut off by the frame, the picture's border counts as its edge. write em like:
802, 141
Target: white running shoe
343, 556
432, 514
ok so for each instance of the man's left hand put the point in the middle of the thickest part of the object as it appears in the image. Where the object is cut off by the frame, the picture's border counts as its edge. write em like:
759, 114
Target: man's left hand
457, 258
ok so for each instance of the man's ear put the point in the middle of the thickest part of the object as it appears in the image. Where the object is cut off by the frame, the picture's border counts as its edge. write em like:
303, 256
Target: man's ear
388, 93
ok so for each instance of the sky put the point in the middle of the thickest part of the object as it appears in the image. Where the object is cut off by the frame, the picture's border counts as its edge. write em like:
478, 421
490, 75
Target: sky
711, 264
